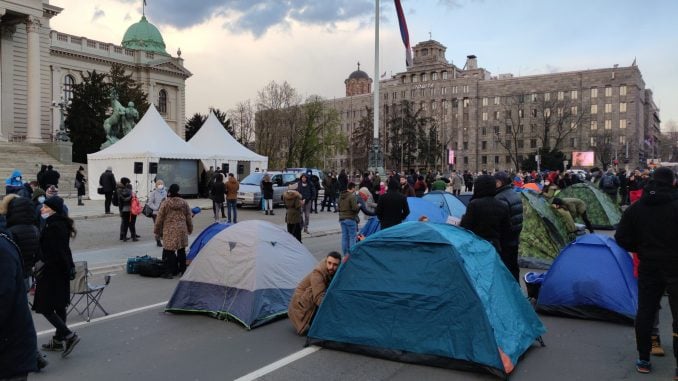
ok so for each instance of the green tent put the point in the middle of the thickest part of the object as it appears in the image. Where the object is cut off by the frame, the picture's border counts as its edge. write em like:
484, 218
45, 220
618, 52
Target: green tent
601, 210
544, 233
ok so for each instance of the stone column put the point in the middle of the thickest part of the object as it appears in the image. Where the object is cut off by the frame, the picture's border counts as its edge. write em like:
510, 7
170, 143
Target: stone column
33, 130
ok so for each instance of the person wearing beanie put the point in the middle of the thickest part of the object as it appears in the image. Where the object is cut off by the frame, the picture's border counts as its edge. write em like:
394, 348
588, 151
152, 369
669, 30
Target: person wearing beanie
486, 216
513, 201
648, 227
173, 225
52, 291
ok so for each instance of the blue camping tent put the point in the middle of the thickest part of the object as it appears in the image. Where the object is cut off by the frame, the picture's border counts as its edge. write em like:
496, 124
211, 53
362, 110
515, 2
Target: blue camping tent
448, 202
427, 293
418, 207
592, 278
204, 237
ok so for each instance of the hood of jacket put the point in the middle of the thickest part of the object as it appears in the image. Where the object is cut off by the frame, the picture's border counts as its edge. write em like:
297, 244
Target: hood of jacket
484, 186
12, 178
658, 194
290, 194
4, 204
20, 212
37, 192
346, 194
174, 203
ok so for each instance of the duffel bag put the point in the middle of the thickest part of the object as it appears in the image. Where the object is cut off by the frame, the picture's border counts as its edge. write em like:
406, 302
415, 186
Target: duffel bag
134, 261
153, 269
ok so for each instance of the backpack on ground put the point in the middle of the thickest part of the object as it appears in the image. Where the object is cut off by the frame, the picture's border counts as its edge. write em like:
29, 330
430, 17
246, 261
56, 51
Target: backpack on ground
133, 263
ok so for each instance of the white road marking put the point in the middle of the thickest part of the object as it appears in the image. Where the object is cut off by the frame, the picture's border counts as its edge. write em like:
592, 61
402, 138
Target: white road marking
107, 317
279, 364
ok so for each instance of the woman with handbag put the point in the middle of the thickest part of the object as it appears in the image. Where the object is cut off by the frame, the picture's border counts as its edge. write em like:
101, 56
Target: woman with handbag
156, 198
128, 220
53, 273
80, 181
173, 225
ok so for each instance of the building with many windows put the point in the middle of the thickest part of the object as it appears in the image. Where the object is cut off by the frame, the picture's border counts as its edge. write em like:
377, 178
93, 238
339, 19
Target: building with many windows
491, 121
39, 66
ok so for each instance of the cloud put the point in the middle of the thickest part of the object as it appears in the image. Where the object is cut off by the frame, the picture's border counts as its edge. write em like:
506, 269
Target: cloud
257, 16
98, 13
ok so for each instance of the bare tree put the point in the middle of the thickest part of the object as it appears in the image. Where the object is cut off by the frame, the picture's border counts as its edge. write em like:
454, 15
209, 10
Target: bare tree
604, 146
242, 121
277, 122
318, 133
361, 141
512, 138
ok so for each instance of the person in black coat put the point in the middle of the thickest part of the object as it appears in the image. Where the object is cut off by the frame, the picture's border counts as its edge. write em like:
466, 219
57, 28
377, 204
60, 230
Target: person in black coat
18, 344
267, 194
342, 180
52, 290
218, 196
315, 180
40, 177
392, 207
486, 216
648, 227
514, 202
107, 184
79, 184
51, 177
22, 224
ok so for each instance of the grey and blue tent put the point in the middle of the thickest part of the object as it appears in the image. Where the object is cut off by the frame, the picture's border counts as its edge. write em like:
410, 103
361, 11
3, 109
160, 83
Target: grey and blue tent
428, 293
449, 203
245, 273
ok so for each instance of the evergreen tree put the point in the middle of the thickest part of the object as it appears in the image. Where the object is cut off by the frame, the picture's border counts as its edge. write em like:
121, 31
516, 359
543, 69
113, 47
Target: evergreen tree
86, 115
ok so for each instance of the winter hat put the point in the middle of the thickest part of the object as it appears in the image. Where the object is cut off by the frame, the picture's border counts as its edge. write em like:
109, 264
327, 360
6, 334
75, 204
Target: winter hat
52, 191
109, 168
292, 186
173, 190
484, 186
81, 168
56, 203
37, 193
503, 177
664, 176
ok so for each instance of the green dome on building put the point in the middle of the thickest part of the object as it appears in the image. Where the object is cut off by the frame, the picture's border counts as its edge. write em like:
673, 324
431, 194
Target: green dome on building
144, 36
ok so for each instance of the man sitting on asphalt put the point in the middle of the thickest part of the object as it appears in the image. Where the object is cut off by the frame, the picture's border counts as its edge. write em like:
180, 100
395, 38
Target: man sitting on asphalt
310, 293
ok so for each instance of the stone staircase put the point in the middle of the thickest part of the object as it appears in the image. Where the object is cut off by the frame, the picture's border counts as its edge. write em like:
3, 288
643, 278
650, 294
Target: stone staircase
27, 158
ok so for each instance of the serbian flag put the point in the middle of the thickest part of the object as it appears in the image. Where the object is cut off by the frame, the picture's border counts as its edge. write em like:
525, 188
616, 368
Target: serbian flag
404, 33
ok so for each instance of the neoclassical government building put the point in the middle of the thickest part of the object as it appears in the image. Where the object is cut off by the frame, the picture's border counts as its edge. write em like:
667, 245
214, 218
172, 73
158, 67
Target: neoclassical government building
39, 66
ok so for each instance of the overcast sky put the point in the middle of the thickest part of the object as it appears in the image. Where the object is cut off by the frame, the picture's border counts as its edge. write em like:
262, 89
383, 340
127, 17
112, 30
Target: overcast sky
234, 47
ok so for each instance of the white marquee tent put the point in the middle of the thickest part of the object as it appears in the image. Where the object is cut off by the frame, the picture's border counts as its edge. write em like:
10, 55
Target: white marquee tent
214, 141
150, 141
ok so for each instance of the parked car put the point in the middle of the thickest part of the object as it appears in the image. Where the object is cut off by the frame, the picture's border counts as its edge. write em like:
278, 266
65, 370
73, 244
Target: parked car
249, 193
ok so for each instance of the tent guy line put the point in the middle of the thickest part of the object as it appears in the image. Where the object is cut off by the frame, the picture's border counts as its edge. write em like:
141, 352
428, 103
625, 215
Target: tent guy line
107, 317
279, 364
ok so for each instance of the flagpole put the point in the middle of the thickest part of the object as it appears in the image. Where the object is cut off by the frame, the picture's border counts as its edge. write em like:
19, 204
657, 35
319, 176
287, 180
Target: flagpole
375, 160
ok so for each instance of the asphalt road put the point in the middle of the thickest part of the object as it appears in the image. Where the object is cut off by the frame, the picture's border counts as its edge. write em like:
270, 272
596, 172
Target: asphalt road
149, 344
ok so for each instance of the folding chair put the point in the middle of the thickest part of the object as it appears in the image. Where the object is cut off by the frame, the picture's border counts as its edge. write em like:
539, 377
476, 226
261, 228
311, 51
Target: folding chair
82, 290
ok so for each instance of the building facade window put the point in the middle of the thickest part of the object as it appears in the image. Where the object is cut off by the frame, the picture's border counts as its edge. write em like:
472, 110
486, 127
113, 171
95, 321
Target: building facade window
443, 90
484, 115
594, 109
465, 88
465, 145
162, 101
593, 141
424, 77
608, 124
533, 143
608, 91
594, 92
434, 76
69, 81
497, 100
594, 125
483, 131
622, 139
483, 159
483, 145
573, 110
485, 101
467, 102
622, 90
573, 142
622, 124
496, 160
561, 95
444, 75
574, 94
415, 78
533, 97
622, 107
608, 108
412, 93
454, 89
547, 96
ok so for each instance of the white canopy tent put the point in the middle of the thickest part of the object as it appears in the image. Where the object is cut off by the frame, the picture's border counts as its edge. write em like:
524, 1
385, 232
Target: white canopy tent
213, 141
149, 141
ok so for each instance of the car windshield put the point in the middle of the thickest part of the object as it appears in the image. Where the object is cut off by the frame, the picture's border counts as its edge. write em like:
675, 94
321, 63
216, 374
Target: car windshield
253, 179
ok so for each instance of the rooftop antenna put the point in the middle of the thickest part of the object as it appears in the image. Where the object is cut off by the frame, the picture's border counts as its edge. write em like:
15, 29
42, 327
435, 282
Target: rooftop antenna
358, 65
143, 8
429, 36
